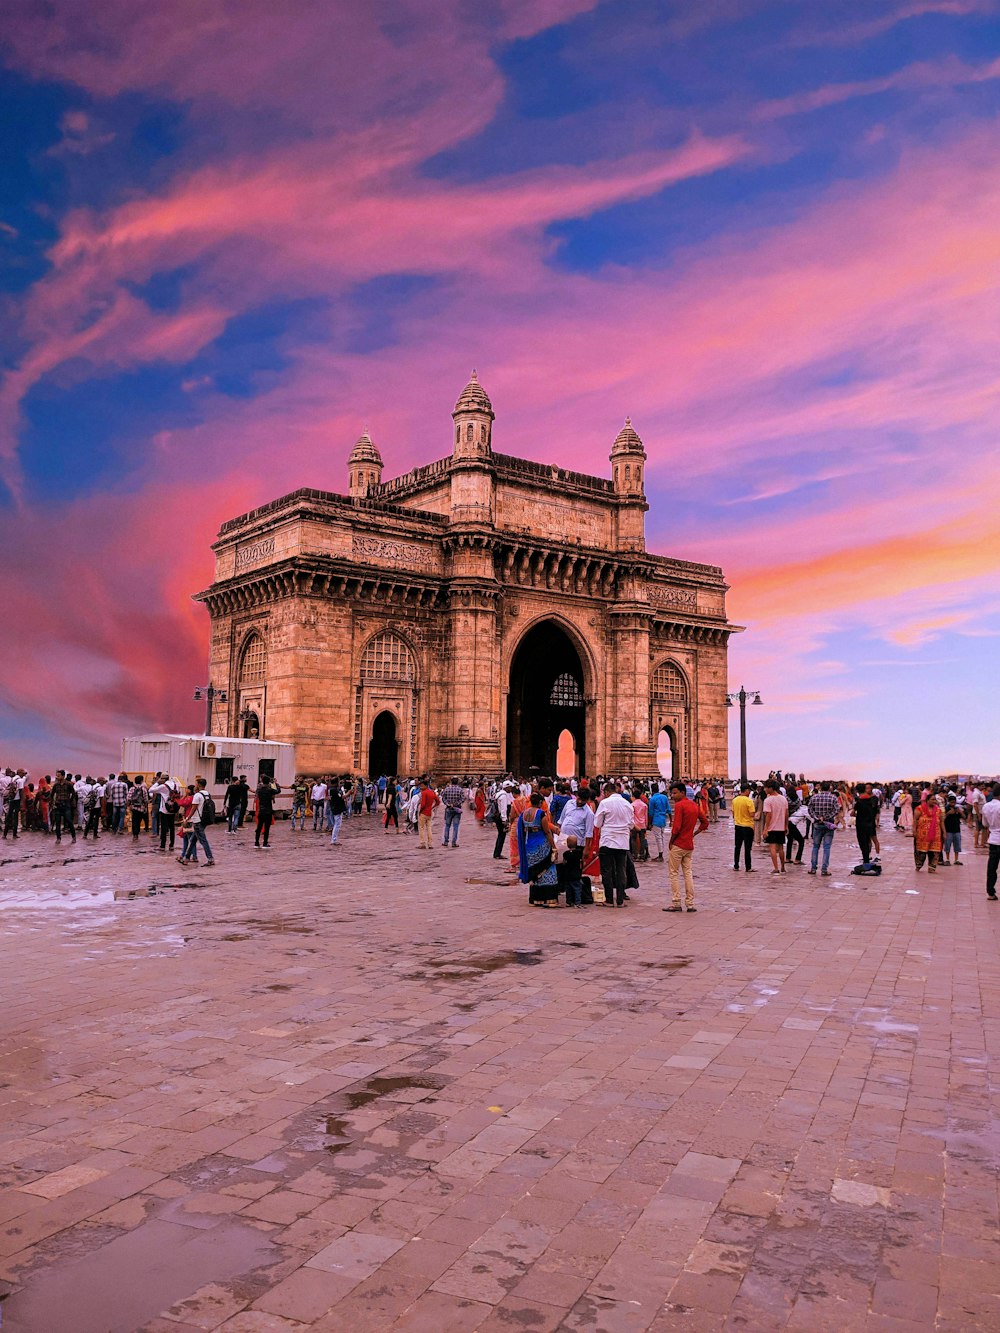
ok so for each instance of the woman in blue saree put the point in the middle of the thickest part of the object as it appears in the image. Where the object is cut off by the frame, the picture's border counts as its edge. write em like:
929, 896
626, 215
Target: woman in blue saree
535, 845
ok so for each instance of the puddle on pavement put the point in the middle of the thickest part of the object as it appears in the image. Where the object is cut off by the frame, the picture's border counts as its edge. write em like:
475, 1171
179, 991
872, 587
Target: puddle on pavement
669, 964
374, 1088
47, 899
97, 1293
477, 965
336, 1123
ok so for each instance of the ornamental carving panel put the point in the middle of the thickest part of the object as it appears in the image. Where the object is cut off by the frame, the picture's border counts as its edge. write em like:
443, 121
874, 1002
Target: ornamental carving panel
251, 553
405, 555
683, 599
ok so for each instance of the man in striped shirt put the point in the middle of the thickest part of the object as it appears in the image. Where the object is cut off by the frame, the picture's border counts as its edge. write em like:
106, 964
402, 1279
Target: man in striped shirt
824, 810
115, 799
453, 799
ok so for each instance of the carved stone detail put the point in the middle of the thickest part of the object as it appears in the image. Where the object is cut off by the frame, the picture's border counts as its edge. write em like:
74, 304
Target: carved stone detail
408, 555
252, 553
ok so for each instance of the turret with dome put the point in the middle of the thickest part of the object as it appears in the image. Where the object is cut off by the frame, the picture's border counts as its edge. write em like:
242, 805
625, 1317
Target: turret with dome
364, 467
473, 417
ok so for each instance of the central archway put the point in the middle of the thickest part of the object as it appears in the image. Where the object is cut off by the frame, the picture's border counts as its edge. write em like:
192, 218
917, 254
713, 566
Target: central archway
383, 749
546, 697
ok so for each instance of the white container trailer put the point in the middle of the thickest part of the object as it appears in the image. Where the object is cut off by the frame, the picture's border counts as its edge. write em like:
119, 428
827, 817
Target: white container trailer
214, 758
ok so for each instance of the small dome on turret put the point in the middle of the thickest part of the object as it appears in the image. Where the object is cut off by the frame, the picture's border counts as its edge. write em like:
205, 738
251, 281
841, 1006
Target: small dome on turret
473, 398
627, 441
365, 451
364, 467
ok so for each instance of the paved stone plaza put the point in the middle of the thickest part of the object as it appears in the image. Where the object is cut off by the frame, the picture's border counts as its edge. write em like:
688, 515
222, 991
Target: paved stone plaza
370, 1088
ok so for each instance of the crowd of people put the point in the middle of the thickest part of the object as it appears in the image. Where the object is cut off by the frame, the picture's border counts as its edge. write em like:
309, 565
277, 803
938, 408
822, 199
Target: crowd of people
559, 837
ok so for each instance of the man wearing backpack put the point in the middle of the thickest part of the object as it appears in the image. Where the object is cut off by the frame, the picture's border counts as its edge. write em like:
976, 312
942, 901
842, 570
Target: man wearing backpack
202, 813
138, 803
165, 792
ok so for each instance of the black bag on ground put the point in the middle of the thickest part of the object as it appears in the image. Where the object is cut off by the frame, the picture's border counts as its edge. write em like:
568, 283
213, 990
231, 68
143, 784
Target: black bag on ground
867, 868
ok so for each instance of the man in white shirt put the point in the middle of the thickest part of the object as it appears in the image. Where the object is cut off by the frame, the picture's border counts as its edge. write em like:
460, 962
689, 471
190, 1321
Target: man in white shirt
503, 799
991, 823
165, 792
318, 798
615, 819
197, 829
976, 802
82, 788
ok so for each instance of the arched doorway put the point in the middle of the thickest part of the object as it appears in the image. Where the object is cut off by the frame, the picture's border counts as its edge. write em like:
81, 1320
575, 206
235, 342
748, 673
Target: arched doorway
251, 725
383, 748
667, 762
545, 699
567, 762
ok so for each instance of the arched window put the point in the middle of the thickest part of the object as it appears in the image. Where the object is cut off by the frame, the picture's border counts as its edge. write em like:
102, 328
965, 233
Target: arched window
253, 660
628, 473
458, 434
669, 685
468, 432
566, 692
388, 657
616, 474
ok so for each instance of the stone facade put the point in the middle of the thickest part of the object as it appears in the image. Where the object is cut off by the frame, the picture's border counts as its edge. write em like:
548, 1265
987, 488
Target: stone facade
460, 618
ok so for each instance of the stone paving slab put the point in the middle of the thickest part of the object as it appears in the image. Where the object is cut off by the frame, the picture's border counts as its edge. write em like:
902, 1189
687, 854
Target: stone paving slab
369, 1087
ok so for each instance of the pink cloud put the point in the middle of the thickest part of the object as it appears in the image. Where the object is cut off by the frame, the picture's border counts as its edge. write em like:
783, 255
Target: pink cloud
926, 75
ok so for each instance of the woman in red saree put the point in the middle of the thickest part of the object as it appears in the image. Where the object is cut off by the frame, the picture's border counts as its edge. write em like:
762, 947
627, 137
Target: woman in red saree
519, 804
928, 832
479, 803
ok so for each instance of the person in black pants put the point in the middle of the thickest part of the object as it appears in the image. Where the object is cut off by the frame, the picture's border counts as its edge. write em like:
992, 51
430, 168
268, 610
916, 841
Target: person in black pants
865, 820
63, 805
265, 795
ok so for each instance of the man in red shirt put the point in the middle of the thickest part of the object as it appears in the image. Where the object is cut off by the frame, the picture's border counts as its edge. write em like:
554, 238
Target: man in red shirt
689, 821
429, 801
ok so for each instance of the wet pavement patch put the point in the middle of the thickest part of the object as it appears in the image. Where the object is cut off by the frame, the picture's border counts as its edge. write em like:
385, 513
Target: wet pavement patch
476, 965
669, 964
122, 1285
374, 1088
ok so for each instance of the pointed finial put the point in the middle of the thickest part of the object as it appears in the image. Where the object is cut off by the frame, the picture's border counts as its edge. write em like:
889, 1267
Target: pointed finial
628, 421
474, 375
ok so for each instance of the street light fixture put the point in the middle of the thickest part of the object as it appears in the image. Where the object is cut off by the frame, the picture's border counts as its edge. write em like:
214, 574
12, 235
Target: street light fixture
209, 693
741, 697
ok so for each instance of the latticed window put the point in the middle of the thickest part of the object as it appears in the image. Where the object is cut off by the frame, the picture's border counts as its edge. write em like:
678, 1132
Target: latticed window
387, 657
253, 663
566, 692
669, 685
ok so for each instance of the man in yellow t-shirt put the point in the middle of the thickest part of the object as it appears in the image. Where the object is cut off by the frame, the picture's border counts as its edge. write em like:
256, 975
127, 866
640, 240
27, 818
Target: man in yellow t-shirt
743, 816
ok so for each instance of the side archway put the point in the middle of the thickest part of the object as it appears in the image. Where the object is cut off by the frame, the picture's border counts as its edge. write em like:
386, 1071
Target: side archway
386, 707
670, 717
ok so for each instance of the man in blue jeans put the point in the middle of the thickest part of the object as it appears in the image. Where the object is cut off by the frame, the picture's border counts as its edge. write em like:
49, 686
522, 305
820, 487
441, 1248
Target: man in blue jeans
824, 811
453, 799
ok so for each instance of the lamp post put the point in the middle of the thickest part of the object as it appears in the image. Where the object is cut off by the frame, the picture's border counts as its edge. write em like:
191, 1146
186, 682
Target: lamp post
209, 693
741, 697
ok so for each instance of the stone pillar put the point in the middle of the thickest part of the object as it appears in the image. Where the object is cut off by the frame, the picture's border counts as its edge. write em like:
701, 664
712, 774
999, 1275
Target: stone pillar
472, 744
710, 750
632, 749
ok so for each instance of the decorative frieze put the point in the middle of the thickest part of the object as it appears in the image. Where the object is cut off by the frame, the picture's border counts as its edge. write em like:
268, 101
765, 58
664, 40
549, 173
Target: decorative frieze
252, 553
680, 599
404, 555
